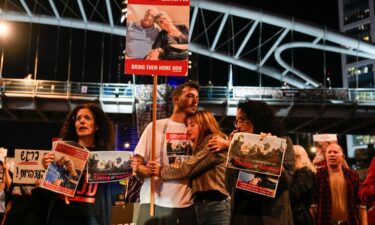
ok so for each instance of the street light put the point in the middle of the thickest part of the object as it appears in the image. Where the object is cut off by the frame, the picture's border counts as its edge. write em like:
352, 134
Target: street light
4, 30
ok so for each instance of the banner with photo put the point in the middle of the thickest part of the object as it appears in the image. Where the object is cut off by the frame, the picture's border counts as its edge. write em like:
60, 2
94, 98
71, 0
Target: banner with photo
258, 183
109, 166
27, 165
252, 153
157, 37
63, 174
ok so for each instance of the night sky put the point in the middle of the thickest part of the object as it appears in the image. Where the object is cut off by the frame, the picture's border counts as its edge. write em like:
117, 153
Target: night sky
83, 55
319, 13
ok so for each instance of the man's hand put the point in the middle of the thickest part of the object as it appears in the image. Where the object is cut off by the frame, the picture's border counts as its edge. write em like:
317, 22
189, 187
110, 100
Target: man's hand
139, 168
217, 144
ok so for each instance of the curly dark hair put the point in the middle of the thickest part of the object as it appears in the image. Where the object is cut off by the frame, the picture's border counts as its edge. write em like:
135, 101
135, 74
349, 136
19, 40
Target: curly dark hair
104, 135
262, 117
178, 90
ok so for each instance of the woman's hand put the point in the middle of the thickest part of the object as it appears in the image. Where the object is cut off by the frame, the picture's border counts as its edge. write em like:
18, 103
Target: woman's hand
154, 168
263, 135
6, 166
47, 159
154, 54
217, 144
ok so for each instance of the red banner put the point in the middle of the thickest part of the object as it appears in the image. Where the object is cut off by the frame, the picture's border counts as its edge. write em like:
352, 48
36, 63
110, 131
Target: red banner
156, 67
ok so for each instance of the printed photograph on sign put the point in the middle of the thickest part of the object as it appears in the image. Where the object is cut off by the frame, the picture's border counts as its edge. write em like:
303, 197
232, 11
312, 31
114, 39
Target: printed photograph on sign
63, 174
157, 39
178, 148
251, 153
258, 183
109, 166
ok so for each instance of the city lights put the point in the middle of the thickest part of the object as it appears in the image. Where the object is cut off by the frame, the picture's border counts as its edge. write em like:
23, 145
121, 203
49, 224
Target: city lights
4, 29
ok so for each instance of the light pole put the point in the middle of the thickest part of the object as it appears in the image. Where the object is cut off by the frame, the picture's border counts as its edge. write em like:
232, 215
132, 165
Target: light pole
3, 33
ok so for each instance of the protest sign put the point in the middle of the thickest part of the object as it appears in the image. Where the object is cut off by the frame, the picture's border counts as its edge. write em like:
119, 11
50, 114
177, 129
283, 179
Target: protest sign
28, 165
63, 174
157, 37
258, 183
250, 152
109, 166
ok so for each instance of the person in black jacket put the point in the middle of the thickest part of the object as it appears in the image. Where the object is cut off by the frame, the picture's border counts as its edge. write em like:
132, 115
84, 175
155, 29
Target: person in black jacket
88, 126
301, 190
257, 117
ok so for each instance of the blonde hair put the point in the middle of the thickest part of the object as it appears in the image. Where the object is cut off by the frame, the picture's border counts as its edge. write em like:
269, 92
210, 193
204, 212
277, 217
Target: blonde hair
302, 159
207, 125
162, 13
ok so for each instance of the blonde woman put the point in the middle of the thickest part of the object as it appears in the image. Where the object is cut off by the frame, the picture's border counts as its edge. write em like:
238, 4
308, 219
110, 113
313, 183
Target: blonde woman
301, 191
205, 169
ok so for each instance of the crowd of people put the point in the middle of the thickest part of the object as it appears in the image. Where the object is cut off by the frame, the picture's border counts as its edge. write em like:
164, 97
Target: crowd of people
200, 189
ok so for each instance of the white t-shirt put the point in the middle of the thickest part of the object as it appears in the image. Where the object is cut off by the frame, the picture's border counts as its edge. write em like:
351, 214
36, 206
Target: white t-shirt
171, 137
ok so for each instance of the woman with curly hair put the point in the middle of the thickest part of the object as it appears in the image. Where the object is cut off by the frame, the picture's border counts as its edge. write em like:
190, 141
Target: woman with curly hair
249, 208
91, 128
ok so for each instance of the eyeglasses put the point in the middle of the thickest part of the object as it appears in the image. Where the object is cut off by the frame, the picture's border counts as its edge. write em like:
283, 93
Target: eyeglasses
239, 122
86, 117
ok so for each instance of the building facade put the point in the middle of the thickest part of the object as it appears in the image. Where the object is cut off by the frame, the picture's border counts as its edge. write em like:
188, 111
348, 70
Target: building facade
357, 18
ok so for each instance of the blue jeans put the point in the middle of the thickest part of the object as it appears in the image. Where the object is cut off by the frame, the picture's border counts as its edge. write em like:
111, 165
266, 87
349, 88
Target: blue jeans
212, 212
166, 216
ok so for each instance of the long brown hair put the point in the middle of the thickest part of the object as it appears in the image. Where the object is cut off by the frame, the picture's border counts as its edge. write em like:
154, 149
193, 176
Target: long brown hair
207, 125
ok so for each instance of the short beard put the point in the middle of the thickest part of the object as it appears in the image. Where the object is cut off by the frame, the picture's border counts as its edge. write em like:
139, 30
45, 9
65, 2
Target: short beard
183, 108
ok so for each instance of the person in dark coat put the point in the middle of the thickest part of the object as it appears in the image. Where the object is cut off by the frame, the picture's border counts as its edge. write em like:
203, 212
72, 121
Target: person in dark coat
301, 191
249, 208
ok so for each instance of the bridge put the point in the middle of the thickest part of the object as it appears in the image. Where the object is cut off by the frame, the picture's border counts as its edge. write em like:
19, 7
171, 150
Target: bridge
338, 110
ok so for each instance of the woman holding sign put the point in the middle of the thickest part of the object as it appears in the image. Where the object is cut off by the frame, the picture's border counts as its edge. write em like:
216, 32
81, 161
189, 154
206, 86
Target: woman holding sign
90, 127
247, 207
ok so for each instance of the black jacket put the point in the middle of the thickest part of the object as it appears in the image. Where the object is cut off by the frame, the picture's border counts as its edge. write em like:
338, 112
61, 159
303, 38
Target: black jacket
301, 193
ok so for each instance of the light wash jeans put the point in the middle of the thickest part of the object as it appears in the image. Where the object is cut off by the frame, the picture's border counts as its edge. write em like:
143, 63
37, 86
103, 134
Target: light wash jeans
212, 212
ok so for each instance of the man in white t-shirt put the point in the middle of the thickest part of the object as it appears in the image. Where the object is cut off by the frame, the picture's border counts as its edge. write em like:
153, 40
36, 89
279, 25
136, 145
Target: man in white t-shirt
173, 202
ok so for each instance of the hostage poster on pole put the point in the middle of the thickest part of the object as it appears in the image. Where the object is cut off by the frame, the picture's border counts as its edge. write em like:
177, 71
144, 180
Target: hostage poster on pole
157, 37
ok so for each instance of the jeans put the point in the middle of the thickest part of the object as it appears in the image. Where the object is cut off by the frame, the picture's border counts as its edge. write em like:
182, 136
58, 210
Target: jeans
166, 216
212, 212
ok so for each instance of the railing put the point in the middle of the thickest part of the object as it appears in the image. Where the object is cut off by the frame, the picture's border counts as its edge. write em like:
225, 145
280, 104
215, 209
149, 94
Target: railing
216, 94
